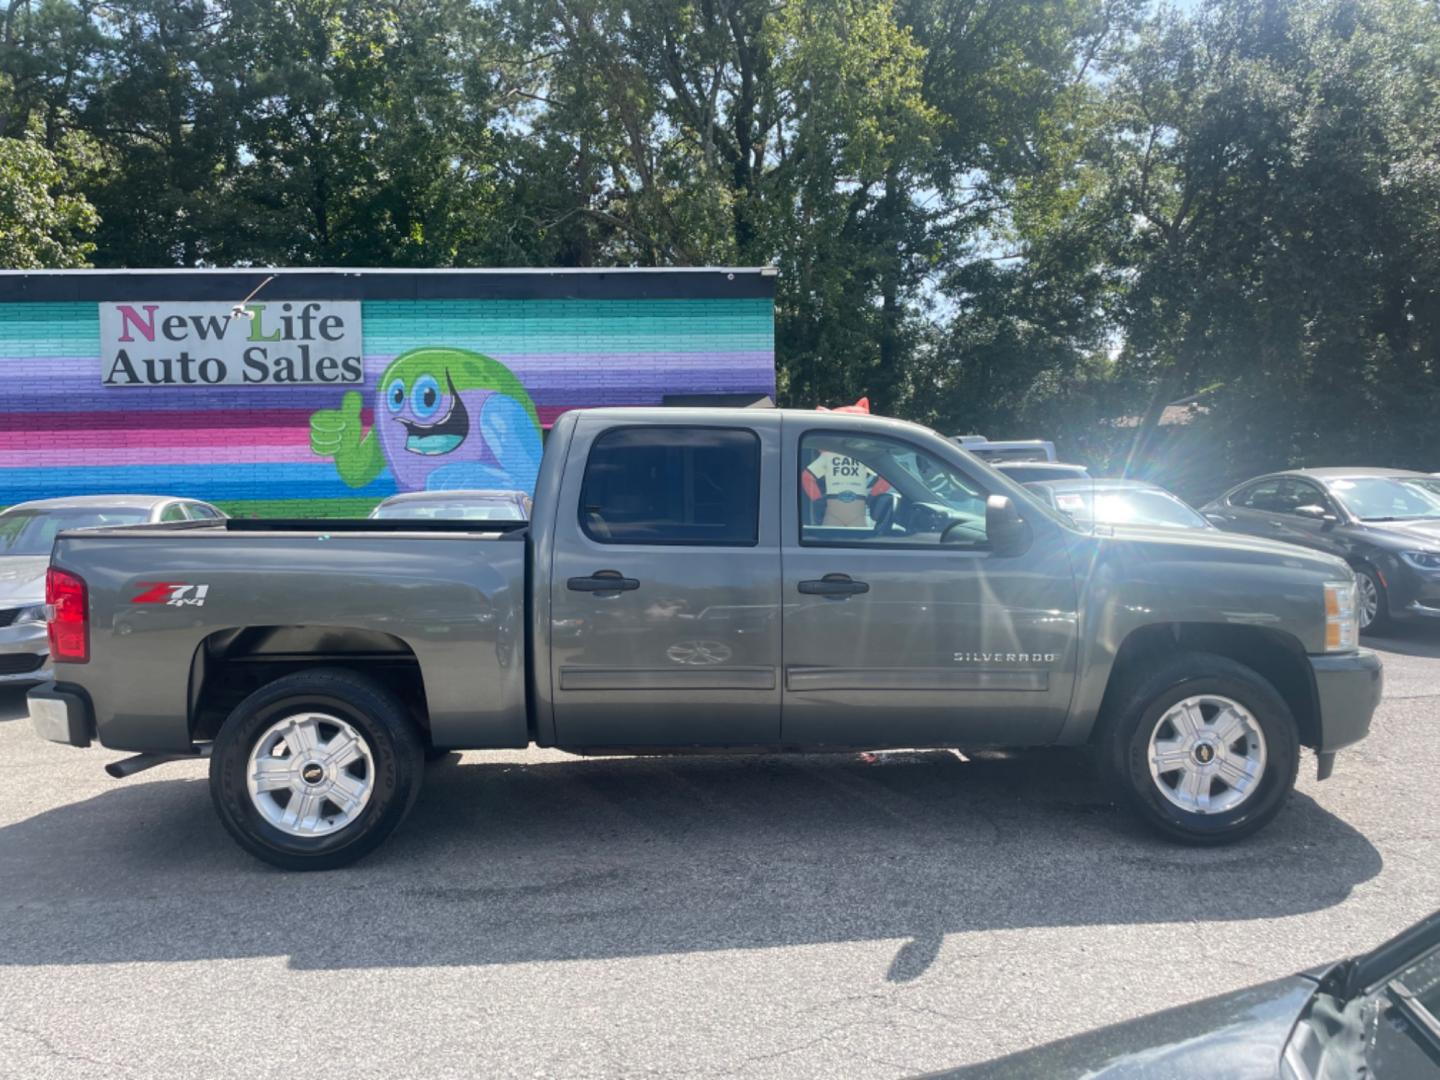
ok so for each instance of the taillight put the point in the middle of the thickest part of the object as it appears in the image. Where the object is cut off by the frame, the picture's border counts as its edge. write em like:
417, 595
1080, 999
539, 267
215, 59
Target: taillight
69, 623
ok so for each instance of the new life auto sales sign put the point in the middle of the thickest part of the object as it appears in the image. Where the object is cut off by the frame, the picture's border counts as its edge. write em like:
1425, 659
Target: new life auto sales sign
210, 344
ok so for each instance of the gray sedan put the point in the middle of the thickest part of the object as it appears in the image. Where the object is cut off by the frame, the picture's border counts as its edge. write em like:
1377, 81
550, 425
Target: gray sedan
1384, 522
27, 531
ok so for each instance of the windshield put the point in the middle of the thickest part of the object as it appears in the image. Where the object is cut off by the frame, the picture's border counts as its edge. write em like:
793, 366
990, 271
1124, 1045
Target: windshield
32, 532
1388, 498
1140, 507
454, 511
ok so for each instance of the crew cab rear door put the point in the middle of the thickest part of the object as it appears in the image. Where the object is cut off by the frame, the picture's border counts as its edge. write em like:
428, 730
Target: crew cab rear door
901, 626
665, 585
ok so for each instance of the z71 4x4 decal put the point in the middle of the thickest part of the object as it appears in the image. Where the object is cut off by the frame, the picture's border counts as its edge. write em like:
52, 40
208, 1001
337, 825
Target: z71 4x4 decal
173, 593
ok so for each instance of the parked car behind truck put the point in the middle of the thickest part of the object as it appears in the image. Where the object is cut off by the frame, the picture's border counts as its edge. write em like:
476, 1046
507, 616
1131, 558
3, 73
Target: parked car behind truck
1118, 502
458, 505
27, 532
669, 594
1385, 523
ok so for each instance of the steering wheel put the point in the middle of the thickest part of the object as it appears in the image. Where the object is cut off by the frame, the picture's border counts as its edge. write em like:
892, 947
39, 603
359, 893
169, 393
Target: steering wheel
956, 524
882, 509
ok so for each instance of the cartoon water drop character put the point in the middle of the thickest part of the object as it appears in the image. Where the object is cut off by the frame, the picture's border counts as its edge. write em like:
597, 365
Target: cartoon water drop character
446, 418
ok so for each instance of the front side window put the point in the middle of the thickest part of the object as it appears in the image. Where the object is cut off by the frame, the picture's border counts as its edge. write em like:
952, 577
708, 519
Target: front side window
866, 489
673, 485
1307, 494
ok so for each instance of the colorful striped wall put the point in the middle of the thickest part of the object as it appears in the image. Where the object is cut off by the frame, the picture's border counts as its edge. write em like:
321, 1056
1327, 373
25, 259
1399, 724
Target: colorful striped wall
250, 450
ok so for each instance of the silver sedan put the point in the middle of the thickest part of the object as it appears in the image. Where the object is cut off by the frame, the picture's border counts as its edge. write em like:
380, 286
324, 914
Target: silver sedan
27, 532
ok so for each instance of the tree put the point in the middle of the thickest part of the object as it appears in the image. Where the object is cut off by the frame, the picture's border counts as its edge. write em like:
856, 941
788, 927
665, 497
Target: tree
366, 130
44, 221
1266, 164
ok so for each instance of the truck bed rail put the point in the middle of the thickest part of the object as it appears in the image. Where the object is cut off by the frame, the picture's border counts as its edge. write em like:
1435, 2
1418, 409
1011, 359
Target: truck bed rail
511, 529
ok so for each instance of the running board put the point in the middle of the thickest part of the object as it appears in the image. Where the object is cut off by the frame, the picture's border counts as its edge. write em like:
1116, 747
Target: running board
140, 762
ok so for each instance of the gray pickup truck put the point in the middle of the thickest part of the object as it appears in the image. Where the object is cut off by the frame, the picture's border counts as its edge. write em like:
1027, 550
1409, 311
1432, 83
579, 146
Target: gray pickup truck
700, 579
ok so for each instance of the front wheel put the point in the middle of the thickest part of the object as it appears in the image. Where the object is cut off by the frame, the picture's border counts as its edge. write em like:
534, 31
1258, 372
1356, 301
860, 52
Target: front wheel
1204, 748
1374, 603
314, 770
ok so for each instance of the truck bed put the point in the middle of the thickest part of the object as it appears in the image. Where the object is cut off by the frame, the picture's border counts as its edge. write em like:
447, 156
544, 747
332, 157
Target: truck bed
175, 607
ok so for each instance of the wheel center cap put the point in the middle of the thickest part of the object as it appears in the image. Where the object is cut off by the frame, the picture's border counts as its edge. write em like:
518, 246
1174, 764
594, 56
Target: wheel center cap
1204, 753
312, 773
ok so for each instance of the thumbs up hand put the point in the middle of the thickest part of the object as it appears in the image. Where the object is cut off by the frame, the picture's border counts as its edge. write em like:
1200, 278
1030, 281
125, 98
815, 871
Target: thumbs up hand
340, 433
333, 431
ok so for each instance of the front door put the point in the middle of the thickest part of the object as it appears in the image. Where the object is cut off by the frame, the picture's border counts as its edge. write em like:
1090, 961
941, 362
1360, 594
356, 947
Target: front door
901, 626
664, 589
1295, 528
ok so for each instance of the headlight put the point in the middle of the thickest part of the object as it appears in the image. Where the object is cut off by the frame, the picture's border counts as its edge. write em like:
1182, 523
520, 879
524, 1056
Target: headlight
33, 613
1423, 560
1342, 630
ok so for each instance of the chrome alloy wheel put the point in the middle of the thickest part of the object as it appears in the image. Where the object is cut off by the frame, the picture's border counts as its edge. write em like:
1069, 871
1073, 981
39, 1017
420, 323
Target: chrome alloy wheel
310, 774
1369, 599
1207, 754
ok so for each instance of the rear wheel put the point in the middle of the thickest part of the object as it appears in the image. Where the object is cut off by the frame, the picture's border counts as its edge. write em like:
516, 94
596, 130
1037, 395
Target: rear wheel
1204, 748
314, 770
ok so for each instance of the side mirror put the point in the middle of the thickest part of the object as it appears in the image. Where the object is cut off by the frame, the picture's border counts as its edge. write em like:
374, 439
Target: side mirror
1316, 513
1005, 528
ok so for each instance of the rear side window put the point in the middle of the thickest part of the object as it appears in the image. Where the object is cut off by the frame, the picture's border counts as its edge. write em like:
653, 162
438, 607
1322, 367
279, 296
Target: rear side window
173, 512
673, 485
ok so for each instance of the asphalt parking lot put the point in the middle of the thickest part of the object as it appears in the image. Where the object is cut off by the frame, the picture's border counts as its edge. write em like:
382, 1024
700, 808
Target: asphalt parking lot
543, 915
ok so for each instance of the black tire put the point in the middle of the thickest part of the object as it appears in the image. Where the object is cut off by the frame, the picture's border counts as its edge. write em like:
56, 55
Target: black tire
1381, 622
395, 748
1123, 745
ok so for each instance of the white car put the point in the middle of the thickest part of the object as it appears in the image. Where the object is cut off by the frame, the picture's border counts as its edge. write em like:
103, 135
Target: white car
27, 532
460, 505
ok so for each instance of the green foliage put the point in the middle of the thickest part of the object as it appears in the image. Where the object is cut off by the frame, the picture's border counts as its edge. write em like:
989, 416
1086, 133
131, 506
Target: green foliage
44, 221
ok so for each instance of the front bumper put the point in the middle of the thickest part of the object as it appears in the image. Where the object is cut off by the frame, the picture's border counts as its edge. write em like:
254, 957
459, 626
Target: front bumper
61, 715
1347, 692
1413, 594
24, 654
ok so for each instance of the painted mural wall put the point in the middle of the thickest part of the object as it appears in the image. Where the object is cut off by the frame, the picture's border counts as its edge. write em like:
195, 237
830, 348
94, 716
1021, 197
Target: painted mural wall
455, 393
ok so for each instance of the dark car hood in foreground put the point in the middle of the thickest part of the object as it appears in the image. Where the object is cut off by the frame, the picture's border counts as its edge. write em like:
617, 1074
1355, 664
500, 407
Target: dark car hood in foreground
1237, 1036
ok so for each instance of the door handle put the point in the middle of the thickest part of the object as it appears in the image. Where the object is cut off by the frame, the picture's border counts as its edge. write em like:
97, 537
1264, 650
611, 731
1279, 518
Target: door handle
839, 585
602, 581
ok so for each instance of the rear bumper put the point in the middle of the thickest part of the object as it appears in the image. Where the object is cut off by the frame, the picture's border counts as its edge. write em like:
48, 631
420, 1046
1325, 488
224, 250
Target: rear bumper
1347, 691
61, 715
